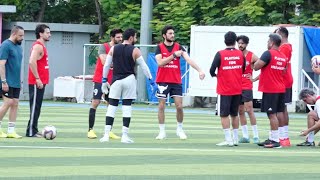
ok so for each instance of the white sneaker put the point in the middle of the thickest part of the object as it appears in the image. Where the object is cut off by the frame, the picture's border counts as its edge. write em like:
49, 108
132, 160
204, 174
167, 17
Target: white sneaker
161, 136
181, 134
105, 138
225, 143
235, 142
126, 139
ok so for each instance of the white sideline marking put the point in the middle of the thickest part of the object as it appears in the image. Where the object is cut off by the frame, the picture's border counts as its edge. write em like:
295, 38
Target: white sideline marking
163, 149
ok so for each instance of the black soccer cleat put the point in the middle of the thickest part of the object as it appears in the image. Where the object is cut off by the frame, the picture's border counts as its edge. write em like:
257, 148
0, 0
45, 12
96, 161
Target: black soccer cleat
306, 143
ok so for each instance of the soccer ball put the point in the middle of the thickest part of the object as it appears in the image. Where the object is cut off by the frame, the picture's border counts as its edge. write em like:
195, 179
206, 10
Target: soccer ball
315, 60
49, 132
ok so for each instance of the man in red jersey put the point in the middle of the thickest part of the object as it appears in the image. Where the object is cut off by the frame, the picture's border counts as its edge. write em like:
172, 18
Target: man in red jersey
231, 65
168, 78
272, 64
283, 117
309, 97
247, 94
38, 77
116, 38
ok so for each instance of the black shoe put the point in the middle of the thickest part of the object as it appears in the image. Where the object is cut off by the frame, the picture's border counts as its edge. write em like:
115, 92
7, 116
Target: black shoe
263, 143
306, 143
272, 144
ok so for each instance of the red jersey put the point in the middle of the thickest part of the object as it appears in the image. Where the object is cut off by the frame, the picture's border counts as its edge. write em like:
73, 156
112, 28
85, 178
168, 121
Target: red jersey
169, 73
229, 75
42, 67
247, 83
272, 75
97, 77
286, 49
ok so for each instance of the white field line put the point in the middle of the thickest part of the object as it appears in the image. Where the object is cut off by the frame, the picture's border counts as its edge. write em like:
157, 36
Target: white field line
162, 149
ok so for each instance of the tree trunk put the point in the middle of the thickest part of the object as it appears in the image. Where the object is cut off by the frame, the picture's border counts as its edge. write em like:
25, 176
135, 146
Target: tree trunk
101, 28
42, 10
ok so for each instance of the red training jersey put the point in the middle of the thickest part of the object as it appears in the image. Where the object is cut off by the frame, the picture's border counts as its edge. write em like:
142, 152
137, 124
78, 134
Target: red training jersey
247, 83
42, 67
286, 49
272, 75
229, 77
169, 73
97, 77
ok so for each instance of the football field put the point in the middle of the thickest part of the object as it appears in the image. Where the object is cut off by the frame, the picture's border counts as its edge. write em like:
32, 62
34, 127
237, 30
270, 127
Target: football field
73, 156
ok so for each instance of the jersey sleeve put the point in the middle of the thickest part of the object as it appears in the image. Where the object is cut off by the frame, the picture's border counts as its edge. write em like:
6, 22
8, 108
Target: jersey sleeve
158, 50
215, 64
182, 48
4, 52
266, 57
102, 50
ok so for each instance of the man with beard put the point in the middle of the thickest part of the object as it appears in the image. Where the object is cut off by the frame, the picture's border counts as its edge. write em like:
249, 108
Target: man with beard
124, 57
10, 71
38, 77
116, 38
168, 78
271, 82
286, 49
247, 95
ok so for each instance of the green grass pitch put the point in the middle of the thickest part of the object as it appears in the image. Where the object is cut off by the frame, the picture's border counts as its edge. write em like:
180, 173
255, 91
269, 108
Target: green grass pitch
73, 156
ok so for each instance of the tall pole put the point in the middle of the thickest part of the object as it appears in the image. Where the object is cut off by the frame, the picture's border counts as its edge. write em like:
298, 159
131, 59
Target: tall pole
145, 38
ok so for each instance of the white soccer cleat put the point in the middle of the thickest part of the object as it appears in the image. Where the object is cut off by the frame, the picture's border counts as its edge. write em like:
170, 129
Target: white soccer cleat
181, 134
161, 136
225, 143
235, 142
126, 139
105, 138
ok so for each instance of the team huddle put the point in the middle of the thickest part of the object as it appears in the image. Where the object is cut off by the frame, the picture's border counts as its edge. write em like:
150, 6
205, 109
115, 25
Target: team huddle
115, 79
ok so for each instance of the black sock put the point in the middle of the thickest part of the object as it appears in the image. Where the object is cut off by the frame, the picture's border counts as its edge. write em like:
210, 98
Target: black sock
92, 117
109, 120
126, 121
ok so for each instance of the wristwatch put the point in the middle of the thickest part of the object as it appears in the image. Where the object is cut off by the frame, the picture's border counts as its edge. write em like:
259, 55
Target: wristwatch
4, 81
174, 55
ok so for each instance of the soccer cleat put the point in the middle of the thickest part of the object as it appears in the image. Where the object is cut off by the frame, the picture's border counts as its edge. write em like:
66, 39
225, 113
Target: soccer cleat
235, 142
3, 135
91, 134
272, 144
161, 136
256, 140
244, 140
225, 143
105, 138
285, 142
306, 143
113, 136
181, 134
126, 139
264, 142
14, 135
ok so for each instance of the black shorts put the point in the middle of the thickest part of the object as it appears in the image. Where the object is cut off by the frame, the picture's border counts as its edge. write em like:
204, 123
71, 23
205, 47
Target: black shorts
272, 102
168, 88
288, 95
13, 93
97, 92
228, 105
247, 96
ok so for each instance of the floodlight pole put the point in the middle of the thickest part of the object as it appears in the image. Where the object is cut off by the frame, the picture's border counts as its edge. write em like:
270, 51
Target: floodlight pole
145, 38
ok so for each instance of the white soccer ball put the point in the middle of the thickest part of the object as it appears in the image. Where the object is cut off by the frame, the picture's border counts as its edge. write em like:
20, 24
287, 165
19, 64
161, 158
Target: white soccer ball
315, 60
49, 132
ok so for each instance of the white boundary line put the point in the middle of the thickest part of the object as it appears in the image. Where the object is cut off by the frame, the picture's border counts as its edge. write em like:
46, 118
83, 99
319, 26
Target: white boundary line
165, 149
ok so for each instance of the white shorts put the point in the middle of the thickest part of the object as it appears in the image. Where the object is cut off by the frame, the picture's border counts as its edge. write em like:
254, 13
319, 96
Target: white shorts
125, 88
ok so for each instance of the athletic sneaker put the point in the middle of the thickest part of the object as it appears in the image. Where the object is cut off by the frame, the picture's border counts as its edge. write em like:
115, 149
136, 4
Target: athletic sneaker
225, 143
272, 144
37, 135
256, 140
126, 139
235, 142
91, 134
306, 143
263, 143
2, 134
181, 134
105, 138
161, 136
285, 142
14, 135
113, 136
244, 140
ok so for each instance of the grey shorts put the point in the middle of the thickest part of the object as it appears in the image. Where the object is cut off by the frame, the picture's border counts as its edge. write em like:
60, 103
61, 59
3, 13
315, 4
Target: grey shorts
124, 88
